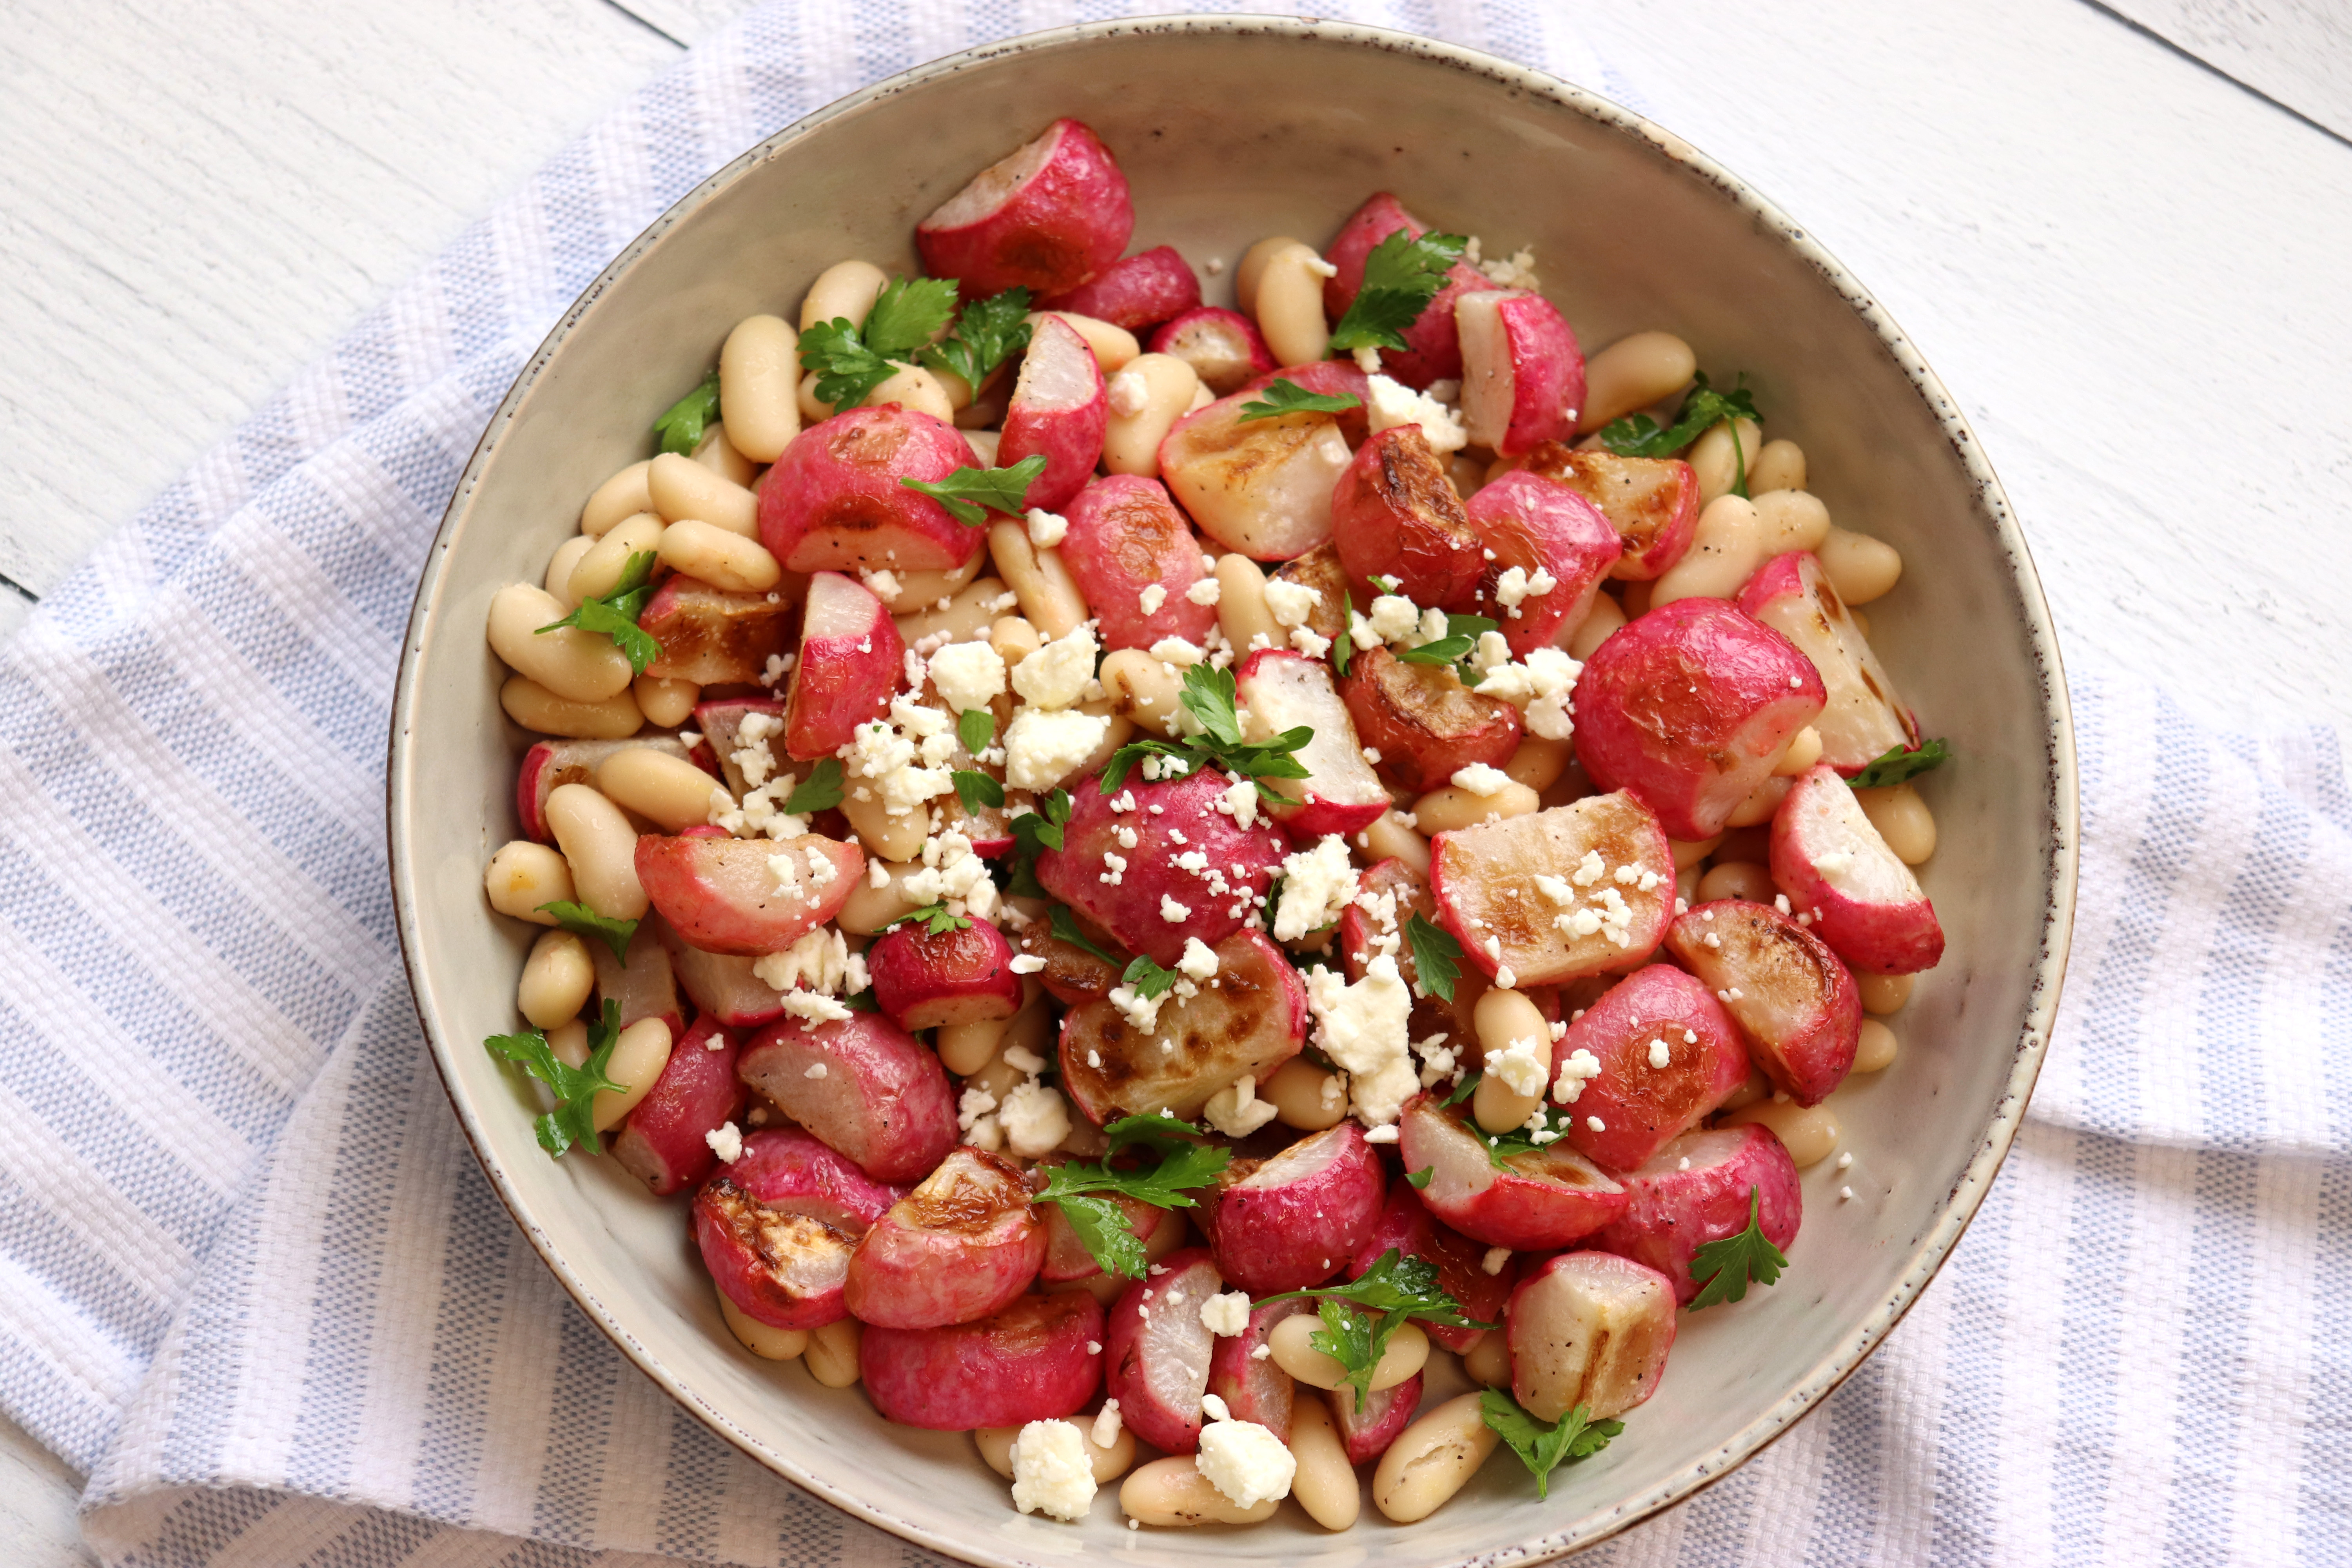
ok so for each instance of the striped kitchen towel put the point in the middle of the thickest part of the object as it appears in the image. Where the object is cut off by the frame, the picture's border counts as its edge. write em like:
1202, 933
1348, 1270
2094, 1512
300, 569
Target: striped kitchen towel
251, 1281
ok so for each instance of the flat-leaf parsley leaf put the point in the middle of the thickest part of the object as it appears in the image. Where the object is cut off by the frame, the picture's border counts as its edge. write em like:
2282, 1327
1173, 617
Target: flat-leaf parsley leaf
1436, 958
1401, 276
614, 614
1289, 397
573, 1121
1725, 1267
1544, 1445
683, 423
969, 494
1901, 763
581, 920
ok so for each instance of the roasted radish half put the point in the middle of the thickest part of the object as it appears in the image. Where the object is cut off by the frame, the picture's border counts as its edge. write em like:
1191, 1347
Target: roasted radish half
1294, 1220
1829, 858
1127, 858
1252, 1387
1546, 549
1060, 410
1653, 502
723, 724
646, 985
925, 980
551, 765
1532, 1201
665, 1143
722, 988
1137, 292
715, 638
852, 661
1045, 217
1034, 1361
1695, 1190
1281, 691
1261, 486
832, 502
745, 896
1224, 347
1522, 373
1668, 1053
1368, 1426
777, 1225
1583, 888
1433, 351
1126, 540
1591, 1329
1425, 724
1689, 708
1395, 513
1407, 1226
1861, 718
1157, 1350
864, 1086
957, 1248
1795, 1002
1246, 1023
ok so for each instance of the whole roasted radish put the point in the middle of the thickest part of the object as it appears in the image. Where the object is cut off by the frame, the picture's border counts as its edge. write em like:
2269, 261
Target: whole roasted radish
881, 1098
832, 502
1136, 559
1045, 217
1395, 513
1668, 1054
1546, 551
1156, 1350
924, 979
776, 1227
1294, 1220
1533, 1200
728, 896
1797, 1004
1696, 1190
665, 1143
1034, 1361
1591, 1329
1865, 903
959, 1246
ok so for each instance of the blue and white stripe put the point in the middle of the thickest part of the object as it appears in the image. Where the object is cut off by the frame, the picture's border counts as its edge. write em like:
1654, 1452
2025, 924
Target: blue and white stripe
252, 1281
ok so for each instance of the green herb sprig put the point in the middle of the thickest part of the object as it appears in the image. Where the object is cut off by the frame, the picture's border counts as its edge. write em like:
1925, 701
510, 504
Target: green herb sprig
1208, 696
970, 494
1436, 957
1288, 397
1639, 436
1725, 1267
1361, 1315
614, 614
1401, 276
821, 791
571, 1124
1902, 764
935, 918
1544, 1445
581, 920
987, 333
683, 423
1087, 1190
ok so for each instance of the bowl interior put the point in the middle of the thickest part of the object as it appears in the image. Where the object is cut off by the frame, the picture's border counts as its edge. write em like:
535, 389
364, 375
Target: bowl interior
1630, 229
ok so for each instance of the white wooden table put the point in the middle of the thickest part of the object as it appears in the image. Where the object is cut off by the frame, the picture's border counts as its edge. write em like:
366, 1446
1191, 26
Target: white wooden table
2133, 271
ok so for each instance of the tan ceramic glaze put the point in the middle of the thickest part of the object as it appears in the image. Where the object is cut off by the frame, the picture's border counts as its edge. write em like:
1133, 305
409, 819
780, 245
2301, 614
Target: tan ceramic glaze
1632, 228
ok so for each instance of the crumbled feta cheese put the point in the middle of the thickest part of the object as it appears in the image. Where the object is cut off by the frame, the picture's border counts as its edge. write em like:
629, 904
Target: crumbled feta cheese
1522, 1064
1034, 1119
1482, 780
968, 675
1041, 748
1028, 963
1579, 1066
726, 1141
1239, 802
1205, 591
1595, 1123
883, 585
1516, 270
1589, 869
1391, 403
1055, 675
1541, 687
1290, 603
1246, 1462
1172, 912
1393, 619
1368, 359
1494, 1259
1661, 1056
1516, 586
1845, 1194
1199, 961
821, 961
1433, 624
1107, 1419
1381, 1134
1318, 885
812, 1009
1845, 1160
1046, 529
1154, 595
1052, 1472
1177, 651
1361, 1029
1235, 1109
1226, 1315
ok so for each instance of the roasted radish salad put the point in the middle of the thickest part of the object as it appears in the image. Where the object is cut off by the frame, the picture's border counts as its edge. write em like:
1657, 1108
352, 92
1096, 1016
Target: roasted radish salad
1168, 886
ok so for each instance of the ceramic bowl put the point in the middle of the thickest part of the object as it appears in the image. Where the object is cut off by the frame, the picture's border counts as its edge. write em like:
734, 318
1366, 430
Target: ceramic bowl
1632, 228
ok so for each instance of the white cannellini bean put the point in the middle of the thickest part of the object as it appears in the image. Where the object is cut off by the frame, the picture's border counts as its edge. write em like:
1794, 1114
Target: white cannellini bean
870, 908
1407, 1353
1688, 853
965, 1048
832, 1353
1884, 994
666, 702
1325, 1483
1538, 763
1634, 373
542, 712
1173, 1492
601, 847
1253, 268
1241, 612
1605, 617
1489, 1360
1450, 807
885, 836
559, 570
524, 875
765, 1340
1777, 465
1013, 639
1804, 751
1388, 836
1305, 1095
622, 495
1859, 567
1113, 346
1734, 538
577, 665
917, 389
1875, 1050
966, 619
844, 291
1162, 390
1903, 819
682, 487
556, 980
670, 790
814, 410
1500, 1017
1715, 463
719, 558
983, 445
759, 387
718, 454
1431, 1459
599, 571
921, 590
1289, 308
637, 1063
1761, 802
1811, 1132
1141, 687
1738, 880
1049, 596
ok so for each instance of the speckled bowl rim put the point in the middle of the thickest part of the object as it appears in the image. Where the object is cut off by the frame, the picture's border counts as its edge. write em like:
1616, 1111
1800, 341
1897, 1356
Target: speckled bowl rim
2059, 875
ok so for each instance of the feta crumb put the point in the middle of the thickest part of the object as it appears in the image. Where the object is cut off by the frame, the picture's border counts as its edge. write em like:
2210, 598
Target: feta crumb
1041, 748
1482, 780
1596, 1124
1153, 596
1107, 1419
1683, 1164
1494, 1259
1660, 1056
1844, 1161
1199, 961
726, 1141
816, 1069
1239, 802
968, 675
1055, 675
1033, 1118
1235, 1109
1579, 1066
1028, 963
1391, 404
1046, 529
1052, 1472
1291, 602
1387, 1134
1318, 885
1203, 592
1245, 1461
1226, 1315
1363, 1029
883, 585
1522, 1064
1177, 651
1172, 912
1845, 1194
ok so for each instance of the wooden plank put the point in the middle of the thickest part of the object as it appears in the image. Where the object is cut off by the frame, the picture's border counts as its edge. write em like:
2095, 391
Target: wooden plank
38, 1498
2297, 52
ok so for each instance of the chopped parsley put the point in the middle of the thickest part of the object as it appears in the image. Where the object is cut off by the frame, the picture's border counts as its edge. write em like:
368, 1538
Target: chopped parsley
1086, 1192
1639, 436
581, 920
1401, 276
1065, 927
975, 728
682, 425
978, 790
1208, 696
1544, 1445
969, 494
1724, 1268
573, 1121
614, 614
1902, 764
935, 917
1289, 397
852, 359
821, 791
1360, 1317
989, 332
1436, 957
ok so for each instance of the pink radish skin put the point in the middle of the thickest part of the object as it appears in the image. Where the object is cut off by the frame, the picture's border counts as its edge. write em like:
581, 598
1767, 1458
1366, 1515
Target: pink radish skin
1796, 1004
852, 662
1484, 880
1435, 350
1862, 717
722, 989
1425, 724
1248, 1023
1126, 536
1688, 708
1325, 378
1406, 1225
832, 502
883, 1099
1591, 1329
1138, 292
721, 895
1292, 1221
1059, 410
1829, 858
1395, 513
1672, 1212
714, 638
1045, 217
956, 1249
1544, 1199
776, 1227
1522, 371
1029, 1362
1129, 908
645, 987
1252, 1387
663, 1143
1156, 1350
553, 763
925, 982
1280, 692
1640, 1107
1224, 347
1261, 486
1368, 1429
1532, 523
1653, 502
721, 724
